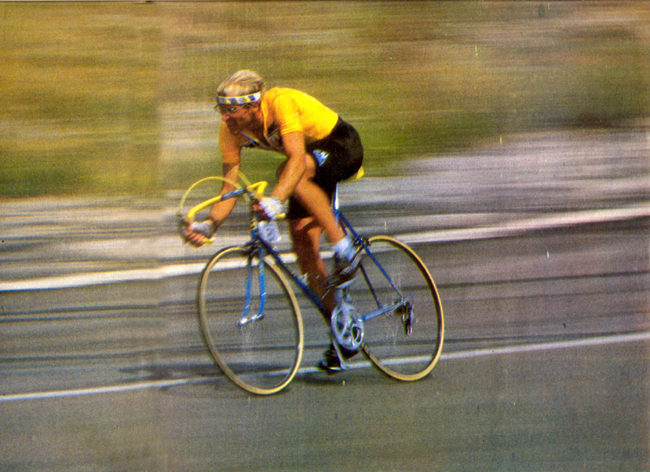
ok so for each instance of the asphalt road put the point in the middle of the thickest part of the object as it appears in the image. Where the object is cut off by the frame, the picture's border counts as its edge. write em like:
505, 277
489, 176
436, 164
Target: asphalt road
545, 363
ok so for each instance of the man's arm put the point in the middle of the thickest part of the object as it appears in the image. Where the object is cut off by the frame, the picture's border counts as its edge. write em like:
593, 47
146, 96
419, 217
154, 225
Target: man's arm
221, 210
295, 167
231, 154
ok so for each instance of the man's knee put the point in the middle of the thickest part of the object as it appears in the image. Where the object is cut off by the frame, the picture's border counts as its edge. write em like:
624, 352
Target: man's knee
310, 168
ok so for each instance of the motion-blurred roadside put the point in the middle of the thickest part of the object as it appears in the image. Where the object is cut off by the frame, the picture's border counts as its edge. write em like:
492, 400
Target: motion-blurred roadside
532, 181
474, 115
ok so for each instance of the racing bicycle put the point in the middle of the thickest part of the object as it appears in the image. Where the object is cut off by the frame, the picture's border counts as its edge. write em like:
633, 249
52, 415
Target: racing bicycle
250, 319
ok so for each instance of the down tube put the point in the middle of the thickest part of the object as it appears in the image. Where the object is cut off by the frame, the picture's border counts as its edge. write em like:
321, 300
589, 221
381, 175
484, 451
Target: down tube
297, 280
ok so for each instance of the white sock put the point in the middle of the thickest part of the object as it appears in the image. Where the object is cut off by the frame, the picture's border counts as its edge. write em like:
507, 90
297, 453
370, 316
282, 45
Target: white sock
345, 248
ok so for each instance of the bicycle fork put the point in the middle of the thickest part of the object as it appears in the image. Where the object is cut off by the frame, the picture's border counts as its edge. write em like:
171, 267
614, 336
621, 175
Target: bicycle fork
247, 318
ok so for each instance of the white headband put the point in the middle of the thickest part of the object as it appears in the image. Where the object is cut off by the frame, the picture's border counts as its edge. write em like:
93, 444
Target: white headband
239, 100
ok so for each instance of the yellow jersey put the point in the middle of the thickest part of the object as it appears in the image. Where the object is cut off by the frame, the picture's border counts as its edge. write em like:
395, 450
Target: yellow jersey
287, 111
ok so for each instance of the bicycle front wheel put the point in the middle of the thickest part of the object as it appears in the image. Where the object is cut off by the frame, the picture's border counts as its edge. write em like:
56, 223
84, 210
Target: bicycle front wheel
405, 339
250, 321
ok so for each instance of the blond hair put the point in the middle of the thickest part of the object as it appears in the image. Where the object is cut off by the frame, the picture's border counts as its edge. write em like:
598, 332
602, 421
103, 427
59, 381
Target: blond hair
243, 82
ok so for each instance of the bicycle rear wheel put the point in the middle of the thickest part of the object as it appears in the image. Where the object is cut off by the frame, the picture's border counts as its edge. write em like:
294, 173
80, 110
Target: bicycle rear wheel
405, 342
263, 355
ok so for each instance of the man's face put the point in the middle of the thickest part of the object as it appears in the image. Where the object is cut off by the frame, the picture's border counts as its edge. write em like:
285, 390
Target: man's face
237, 117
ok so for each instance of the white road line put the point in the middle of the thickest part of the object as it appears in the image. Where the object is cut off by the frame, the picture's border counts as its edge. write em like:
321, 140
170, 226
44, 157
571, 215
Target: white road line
98, 278
524, 348
465, 234
596, 341
540, 223
103, 390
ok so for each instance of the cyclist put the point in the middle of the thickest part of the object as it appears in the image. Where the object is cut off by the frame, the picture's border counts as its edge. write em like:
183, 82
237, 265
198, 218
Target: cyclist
320, 148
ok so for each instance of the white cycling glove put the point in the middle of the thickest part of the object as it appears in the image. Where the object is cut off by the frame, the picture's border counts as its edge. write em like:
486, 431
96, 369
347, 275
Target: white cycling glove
205, 228
272, 208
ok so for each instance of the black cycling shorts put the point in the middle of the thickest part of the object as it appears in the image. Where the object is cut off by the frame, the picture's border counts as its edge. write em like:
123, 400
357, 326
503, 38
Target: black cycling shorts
338, 157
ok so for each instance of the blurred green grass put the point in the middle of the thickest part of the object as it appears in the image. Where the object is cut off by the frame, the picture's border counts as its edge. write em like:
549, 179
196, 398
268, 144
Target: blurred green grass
86, 88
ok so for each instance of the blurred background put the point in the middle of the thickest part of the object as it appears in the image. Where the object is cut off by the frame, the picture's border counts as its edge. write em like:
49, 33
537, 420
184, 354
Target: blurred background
116, 98
507, 142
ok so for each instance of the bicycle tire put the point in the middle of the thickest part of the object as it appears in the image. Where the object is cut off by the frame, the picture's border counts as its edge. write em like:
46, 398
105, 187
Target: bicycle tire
263, 356
386, 344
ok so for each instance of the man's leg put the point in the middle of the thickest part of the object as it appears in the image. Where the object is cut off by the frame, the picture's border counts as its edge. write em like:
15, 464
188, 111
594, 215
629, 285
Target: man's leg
317, 203
306, 234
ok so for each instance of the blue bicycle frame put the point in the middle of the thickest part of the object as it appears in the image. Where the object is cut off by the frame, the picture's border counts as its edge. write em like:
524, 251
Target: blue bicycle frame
261, 247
